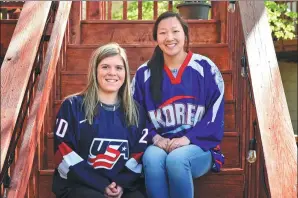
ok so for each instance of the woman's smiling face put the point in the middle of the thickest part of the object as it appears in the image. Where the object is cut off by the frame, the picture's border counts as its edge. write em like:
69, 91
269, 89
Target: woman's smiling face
170, 36
110, 74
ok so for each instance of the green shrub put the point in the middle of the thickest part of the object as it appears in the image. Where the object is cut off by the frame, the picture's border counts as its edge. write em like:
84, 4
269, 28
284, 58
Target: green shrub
282, 21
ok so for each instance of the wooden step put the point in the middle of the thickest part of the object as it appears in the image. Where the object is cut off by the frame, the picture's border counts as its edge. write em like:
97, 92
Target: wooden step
78, 55
228, 183
224, 171
125, 32
45, 187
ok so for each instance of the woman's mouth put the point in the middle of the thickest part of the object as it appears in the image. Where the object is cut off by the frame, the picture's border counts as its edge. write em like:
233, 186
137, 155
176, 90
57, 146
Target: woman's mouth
111, 80
170, 45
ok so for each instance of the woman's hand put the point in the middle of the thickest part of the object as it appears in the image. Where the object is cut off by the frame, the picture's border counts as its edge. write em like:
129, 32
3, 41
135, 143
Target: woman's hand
176, 143
161, 142
113, 191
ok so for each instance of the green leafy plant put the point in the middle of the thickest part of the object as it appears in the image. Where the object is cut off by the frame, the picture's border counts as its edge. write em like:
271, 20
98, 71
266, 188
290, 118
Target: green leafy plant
282, 20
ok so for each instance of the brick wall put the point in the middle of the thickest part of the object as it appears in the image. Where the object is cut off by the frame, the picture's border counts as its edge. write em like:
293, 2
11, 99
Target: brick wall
288, 72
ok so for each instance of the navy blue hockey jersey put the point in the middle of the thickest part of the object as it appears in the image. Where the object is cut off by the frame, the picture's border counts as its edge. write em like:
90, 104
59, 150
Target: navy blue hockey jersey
192, 104
98, 154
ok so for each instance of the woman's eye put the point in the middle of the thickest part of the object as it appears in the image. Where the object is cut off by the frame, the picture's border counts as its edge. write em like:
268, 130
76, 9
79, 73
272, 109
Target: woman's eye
175, 31
104, 67
119, 68
162, 33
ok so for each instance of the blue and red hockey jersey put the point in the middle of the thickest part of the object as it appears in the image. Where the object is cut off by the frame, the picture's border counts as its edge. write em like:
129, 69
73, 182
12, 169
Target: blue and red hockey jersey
98, 154
192, 104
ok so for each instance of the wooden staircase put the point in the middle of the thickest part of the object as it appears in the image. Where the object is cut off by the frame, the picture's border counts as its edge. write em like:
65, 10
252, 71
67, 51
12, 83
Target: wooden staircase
136, 38
219, 38
73, 77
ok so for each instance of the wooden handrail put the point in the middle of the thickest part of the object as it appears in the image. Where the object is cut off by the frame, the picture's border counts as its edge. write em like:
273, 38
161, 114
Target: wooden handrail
17, 66
23, 167
276, 131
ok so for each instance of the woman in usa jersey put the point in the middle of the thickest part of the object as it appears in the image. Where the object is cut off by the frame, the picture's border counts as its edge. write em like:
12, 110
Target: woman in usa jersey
99, 135
183, 94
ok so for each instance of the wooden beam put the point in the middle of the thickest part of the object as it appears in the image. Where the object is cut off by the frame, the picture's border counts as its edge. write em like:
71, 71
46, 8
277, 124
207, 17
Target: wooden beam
170, 6
75, 22
124, 10
92, 9
155, 9
140, 9
103, 10
110, 4
219, 13
18, 64
12, 5
276, 131
23, 167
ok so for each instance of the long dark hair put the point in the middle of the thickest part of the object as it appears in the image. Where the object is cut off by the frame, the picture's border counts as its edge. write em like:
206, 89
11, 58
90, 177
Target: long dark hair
156, 63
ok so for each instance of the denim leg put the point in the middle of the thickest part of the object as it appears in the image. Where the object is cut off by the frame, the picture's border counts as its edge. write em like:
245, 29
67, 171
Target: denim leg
183, 164
154, 160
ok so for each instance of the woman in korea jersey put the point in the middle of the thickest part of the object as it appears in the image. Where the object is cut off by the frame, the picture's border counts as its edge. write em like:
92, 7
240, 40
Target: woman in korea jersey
100, 134
182, 93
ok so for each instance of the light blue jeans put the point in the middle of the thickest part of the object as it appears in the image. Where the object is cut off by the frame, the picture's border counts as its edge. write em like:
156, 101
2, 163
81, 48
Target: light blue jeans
171, 175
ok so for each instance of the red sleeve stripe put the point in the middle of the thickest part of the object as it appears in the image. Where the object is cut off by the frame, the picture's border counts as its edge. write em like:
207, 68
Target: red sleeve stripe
64, 158
137, 156
64, 149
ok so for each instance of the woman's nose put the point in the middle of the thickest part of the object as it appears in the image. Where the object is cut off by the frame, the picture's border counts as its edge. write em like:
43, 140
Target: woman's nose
170, 37
112, 71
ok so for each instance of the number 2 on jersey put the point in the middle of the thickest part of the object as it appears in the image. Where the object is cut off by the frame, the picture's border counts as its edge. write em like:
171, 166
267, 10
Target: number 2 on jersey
145, 133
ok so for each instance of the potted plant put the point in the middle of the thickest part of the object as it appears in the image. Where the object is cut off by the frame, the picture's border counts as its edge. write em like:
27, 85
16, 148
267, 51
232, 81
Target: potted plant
194, 9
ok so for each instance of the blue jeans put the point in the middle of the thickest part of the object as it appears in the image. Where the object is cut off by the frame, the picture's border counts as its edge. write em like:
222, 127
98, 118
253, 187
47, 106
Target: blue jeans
171, 175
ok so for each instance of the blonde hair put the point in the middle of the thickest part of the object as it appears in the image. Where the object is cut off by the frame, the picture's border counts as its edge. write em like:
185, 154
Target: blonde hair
90, 92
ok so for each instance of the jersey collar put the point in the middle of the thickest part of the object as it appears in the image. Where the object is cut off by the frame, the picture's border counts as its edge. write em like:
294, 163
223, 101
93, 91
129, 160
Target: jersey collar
177, 79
